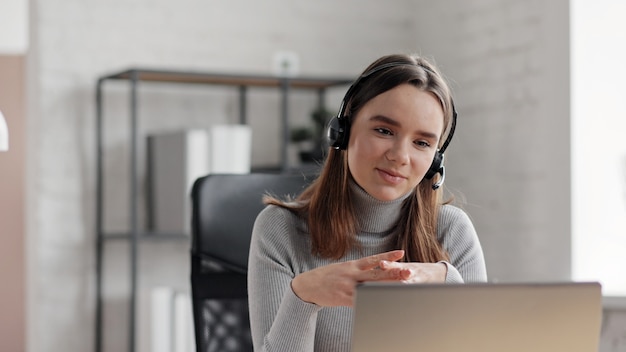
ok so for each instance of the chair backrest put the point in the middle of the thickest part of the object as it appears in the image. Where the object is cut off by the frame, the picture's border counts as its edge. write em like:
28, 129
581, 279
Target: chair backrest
224, 208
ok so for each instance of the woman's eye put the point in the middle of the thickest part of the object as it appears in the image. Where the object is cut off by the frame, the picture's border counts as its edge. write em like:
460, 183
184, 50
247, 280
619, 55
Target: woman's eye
383, 131
423, 144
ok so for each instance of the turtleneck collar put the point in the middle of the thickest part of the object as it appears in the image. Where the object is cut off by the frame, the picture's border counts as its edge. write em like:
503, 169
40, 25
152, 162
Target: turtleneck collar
373, 215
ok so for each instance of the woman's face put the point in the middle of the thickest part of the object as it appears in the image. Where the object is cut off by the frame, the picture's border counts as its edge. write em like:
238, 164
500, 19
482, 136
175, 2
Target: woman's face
393, 140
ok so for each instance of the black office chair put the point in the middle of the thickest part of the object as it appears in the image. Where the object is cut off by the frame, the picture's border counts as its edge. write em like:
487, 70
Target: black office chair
224, 208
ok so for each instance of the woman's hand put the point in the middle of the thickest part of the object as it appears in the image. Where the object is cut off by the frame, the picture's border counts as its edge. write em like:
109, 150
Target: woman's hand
419, 272
334, 284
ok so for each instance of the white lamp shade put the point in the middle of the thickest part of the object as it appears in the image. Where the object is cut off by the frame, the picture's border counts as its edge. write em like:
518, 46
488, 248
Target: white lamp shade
4, 134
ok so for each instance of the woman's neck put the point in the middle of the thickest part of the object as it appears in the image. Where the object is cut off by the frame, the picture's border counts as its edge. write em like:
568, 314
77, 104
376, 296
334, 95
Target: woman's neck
373, 215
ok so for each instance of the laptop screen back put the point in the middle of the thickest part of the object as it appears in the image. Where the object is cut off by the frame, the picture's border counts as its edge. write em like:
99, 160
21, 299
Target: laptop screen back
544, 317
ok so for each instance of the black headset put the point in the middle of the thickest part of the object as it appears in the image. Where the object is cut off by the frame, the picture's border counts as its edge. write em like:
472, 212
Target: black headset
338, 132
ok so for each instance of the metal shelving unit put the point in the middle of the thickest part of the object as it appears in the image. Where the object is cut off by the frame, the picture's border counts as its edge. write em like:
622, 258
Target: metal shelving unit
134, 76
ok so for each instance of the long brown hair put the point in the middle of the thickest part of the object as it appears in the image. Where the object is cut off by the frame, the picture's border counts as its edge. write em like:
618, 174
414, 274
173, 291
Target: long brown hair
327, 204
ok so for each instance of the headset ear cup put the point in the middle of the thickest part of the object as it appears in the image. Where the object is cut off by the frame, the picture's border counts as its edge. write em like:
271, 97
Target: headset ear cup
338, 132
435, 166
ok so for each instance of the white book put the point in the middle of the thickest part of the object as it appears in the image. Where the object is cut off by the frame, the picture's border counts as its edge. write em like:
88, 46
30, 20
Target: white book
183, 323
162, 312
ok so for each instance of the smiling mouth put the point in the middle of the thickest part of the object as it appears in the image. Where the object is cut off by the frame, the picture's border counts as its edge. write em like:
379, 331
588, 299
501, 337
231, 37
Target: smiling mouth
390, 177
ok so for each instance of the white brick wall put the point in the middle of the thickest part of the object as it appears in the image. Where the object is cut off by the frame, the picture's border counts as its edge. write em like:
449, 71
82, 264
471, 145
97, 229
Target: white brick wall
507, 60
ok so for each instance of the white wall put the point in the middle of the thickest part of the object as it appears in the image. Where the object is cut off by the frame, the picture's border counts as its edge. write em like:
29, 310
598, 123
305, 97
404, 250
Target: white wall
508, 61
14, 34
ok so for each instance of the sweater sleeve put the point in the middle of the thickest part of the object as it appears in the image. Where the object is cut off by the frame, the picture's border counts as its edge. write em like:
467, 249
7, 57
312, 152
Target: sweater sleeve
279, 320
458, 237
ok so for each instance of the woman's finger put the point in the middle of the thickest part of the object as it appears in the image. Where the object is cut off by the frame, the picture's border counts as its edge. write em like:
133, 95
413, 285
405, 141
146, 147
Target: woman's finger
417, 272
378, 274
396, 274
373, 261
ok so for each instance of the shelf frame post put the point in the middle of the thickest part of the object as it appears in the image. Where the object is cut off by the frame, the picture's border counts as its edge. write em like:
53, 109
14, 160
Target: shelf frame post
134, 205
99, 222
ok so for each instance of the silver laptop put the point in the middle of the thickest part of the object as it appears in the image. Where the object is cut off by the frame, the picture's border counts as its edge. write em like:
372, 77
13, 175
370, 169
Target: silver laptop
544, 317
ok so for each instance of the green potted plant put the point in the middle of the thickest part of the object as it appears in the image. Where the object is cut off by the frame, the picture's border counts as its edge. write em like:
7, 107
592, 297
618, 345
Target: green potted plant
311, 139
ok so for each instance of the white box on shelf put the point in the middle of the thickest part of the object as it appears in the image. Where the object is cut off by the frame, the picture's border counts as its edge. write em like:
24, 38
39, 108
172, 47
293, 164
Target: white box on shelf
176, 159
230, 147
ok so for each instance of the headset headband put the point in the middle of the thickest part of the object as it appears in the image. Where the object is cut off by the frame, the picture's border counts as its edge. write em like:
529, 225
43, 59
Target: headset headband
350, 91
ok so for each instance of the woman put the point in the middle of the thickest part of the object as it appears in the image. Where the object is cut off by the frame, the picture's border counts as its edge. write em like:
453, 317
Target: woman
374, 213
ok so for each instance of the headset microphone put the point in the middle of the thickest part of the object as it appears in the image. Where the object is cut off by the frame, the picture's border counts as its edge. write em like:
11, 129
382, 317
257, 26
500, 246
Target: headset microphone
441, 170
437, 166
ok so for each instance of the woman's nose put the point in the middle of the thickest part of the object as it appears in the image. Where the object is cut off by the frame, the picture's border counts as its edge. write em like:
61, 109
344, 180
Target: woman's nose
398, 152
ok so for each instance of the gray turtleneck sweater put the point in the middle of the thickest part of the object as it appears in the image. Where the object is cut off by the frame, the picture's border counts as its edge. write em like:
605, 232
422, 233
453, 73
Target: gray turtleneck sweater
281, 249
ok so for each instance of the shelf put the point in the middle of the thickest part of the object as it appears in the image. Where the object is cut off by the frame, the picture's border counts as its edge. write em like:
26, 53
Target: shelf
187, 77
156, 236
136, 235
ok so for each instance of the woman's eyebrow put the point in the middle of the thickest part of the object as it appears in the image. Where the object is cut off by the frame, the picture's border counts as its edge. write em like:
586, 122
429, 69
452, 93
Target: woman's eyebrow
428, 135
385, 119
392, 122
